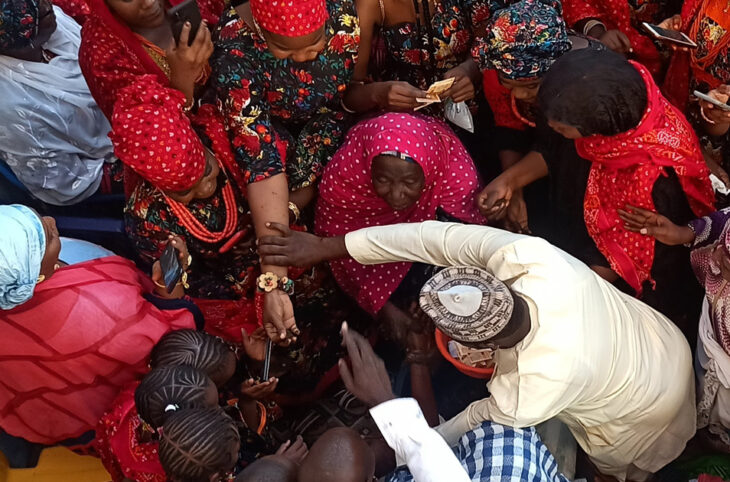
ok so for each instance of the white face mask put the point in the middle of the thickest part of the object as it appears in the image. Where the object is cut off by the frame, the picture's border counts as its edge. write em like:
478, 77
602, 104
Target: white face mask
461, 300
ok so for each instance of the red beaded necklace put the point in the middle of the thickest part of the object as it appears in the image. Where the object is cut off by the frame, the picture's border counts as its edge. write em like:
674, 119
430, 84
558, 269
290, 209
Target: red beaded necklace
516, 112
199, 231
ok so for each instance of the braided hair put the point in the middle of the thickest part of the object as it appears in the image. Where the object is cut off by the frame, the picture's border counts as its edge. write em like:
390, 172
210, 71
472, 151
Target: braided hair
193, 348
169, 388
197, 443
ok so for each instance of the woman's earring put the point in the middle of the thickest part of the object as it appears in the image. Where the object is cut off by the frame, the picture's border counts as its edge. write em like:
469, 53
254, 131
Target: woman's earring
41, 278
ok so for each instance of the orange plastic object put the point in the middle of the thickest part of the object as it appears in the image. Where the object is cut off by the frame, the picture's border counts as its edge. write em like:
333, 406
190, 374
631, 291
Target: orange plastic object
57, 464
442, 342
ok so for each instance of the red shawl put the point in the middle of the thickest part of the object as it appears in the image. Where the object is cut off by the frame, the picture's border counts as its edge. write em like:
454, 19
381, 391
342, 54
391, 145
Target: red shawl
499, 98
348, 202
616, 15
624, 170
67, 352
119, 447
677, 83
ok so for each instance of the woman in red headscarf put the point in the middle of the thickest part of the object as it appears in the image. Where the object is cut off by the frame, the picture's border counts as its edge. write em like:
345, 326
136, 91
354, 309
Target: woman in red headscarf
280, 70
395, 168
128, 42
643, 153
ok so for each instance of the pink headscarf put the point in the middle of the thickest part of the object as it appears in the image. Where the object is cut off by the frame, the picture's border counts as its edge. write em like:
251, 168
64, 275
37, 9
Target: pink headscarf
347, 200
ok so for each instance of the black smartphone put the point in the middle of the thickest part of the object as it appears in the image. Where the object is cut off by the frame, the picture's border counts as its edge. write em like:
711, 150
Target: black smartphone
187, 11
671, 36
171, 268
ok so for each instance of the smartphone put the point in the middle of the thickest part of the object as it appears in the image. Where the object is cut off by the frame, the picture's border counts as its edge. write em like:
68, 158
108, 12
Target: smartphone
187, 11
267, 361
712, 100
171, 268
671, 36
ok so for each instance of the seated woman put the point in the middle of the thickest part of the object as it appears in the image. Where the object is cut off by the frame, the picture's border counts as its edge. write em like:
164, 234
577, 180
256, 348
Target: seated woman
62, 372
709, 239
54, 135
425, 41
617, 24
706, 69
643, 152
280, 70
395, 168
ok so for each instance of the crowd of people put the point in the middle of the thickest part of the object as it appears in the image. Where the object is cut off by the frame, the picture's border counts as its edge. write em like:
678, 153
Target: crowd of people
342, 183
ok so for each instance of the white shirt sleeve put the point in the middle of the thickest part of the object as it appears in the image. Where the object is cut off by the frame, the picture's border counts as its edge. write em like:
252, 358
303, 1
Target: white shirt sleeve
417, 445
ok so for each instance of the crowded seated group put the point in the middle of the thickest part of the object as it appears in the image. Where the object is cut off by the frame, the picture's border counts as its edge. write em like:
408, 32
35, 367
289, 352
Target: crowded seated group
336, 230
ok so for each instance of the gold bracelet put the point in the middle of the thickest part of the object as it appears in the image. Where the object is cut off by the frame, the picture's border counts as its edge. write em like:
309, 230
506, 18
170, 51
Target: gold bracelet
295, 210
183, 281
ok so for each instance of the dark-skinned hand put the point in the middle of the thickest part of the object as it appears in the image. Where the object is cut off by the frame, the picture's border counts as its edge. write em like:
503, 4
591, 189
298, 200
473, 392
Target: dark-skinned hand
254, 390
398, 96
292, 248
463, 87
296, 452
366, 377
617, 41
255, 344
649, 223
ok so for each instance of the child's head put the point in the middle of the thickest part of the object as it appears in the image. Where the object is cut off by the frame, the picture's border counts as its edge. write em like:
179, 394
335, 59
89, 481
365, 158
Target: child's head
196, 349
199, 445
167, 389
272, 468
340, 455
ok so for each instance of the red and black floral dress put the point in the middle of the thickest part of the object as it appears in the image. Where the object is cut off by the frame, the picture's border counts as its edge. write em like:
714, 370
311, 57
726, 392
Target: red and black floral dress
284, 116
421, 54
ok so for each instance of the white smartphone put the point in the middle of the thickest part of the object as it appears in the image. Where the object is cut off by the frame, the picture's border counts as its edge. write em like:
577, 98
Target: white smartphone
711, 100
671, 36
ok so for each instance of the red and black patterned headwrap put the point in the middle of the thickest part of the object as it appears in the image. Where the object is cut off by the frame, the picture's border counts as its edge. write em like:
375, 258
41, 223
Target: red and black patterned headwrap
18, 23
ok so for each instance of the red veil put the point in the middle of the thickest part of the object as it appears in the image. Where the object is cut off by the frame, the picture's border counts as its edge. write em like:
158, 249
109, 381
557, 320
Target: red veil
67, 352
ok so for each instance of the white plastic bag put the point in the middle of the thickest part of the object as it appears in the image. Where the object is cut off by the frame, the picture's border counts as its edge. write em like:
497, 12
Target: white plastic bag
459, 114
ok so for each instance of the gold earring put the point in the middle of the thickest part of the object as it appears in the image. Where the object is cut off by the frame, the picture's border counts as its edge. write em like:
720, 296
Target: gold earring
41, 278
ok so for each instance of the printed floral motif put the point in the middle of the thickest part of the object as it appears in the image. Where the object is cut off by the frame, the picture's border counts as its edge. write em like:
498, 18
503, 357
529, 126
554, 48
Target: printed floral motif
284, 116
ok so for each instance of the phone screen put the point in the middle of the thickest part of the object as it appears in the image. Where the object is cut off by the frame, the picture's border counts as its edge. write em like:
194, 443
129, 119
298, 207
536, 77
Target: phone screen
670, 35
171, 267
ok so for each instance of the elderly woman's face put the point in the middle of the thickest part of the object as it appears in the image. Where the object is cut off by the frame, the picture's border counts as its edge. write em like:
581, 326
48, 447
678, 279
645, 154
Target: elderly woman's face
53, 246
400, 183
524, 90
139, 14
299, 49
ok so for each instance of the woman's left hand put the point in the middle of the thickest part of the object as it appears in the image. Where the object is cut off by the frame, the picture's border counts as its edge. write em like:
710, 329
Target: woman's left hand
463, 88
279, 319
713, 113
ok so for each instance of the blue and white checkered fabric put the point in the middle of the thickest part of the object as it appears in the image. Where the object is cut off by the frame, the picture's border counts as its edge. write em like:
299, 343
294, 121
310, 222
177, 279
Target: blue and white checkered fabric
495, 453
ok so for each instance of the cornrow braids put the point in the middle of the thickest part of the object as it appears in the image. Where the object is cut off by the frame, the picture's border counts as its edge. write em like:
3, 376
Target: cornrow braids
169, 388
198, 443
192, 348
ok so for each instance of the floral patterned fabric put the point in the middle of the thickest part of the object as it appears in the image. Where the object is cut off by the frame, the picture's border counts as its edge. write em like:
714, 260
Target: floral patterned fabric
284, 116
18, 23
449, 40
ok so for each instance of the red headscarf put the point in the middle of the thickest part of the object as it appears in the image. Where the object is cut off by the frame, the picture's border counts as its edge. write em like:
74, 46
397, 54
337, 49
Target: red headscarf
62, 372
624, 170
348, 202
290, 18
152, 135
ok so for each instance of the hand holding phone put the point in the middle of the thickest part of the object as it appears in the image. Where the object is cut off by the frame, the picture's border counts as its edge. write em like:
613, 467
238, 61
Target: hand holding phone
169, 270
669, 36
717, 103
187, 11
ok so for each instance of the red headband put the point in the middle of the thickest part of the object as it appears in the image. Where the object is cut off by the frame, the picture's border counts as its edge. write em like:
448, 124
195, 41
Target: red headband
153, 136
290, 18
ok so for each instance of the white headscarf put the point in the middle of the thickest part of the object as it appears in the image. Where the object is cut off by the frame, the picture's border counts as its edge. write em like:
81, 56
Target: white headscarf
22, 246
